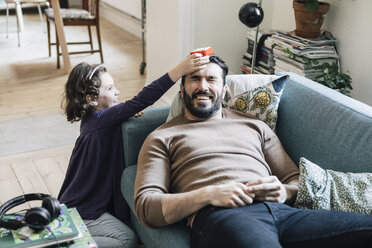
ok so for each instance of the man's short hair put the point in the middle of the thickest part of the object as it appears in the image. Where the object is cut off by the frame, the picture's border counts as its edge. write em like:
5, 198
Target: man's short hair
217, 60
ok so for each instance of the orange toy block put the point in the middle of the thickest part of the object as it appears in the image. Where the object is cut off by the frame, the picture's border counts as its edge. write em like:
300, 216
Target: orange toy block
205, 51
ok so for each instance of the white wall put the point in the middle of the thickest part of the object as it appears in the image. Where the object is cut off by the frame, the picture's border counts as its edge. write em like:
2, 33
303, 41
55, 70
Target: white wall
126, 14
131, 7
170, 25
350, 23
218, 25
174, 27
207, 23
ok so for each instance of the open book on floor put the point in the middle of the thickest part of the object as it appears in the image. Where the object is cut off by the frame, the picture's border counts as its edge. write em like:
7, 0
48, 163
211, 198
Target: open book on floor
60, 231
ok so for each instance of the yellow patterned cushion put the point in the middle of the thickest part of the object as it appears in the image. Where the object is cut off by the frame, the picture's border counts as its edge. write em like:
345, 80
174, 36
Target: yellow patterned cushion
261, 101
70, 14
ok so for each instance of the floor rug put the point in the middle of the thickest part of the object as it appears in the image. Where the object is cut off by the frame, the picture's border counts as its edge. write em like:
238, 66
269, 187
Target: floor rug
36, 133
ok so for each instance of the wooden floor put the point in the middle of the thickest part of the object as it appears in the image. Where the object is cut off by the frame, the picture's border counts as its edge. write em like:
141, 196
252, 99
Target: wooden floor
30, 85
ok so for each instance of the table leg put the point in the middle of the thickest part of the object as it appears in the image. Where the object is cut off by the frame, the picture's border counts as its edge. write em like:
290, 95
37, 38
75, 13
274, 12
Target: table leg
19, 16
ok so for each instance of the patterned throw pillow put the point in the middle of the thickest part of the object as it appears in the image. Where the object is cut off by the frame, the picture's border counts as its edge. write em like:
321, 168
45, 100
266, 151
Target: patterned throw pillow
257, 95
328, 189
261, 101
70, 14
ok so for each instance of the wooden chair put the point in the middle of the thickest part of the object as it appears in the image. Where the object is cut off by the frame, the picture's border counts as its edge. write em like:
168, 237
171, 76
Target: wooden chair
87, 16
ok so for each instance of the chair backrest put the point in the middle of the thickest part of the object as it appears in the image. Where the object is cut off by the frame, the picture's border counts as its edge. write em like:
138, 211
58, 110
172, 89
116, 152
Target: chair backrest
92, 6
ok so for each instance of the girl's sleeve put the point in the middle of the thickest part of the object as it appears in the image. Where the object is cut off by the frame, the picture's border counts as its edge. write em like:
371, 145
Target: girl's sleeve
146, 97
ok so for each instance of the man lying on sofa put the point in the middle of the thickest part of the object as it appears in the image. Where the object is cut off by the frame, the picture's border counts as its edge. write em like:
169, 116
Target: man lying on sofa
229, 175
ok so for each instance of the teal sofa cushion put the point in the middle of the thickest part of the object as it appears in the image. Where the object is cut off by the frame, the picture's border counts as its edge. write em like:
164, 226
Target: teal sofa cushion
136, 129
324, 126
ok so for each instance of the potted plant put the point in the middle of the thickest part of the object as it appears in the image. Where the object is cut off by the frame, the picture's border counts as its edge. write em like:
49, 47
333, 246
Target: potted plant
330, 76
334, 79
309, 16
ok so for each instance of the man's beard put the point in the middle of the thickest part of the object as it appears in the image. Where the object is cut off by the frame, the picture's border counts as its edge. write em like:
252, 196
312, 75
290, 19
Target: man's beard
201, 111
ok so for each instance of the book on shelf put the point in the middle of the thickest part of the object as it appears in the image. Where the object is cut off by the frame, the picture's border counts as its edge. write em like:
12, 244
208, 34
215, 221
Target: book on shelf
313, 49
287, 67
301, 62
61, 230
279, 52
312, 53
301, 43
251, 35
264, 50
259, 69
264, 57
264, 60
290, 37
247, 70
264, 66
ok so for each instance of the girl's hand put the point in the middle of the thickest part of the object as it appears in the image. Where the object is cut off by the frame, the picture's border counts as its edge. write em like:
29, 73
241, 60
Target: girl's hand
192, 63
268, 189
138, 114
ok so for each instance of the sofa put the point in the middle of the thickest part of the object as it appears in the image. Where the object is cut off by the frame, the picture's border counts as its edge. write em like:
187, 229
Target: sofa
315, 122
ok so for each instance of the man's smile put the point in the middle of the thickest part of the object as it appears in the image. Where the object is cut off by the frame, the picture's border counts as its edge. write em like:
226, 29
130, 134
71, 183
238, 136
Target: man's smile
203, 96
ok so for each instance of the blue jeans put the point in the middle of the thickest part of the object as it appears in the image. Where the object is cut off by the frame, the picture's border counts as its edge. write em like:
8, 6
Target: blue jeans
270, 224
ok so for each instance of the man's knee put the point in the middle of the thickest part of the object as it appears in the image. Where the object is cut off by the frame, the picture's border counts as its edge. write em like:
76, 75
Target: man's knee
237, 228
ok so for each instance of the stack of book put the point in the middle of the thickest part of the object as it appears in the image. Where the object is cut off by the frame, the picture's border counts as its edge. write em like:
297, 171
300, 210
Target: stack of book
68, 230
265, 63
302, 56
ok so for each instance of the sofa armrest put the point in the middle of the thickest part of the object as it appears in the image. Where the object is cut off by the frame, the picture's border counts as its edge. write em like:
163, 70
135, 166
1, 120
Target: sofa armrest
136, 129
134, 132
175, 236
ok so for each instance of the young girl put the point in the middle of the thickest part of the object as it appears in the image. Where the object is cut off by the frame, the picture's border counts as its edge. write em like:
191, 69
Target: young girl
92, 182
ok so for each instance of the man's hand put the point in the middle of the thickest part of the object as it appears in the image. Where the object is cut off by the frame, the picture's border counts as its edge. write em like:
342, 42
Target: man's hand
268, 189
230, 195
180, 205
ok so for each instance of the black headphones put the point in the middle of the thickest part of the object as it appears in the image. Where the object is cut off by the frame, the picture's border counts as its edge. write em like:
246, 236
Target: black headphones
36, 218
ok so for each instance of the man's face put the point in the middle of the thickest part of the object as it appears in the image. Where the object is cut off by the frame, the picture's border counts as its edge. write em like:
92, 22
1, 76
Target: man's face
203, 91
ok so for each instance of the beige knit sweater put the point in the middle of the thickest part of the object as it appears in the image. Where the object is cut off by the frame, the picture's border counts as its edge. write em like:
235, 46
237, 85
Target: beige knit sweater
184, 155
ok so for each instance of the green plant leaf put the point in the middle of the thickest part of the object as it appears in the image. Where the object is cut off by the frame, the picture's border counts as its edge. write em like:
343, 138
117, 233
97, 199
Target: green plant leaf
311, 5
334, 79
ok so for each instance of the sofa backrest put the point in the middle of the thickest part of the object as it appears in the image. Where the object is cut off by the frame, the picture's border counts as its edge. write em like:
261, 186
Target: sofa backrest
315, 122
136, 129
324, 126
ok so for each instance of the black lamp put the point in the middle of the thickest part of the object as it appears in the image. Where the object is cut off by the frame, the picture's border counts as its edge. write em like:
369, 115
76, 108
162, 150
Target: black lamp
251, 14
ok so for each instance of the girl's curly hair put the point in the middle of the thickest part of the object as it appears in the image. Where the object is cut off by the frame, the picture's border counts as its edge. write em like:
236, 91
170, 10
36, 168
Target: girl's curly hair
83, 80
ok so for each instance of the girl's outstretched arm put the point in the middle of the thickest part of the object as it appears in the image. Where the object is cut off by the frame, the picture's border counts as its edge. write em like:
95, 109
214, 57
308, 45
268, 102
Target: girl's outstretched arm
152, 92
